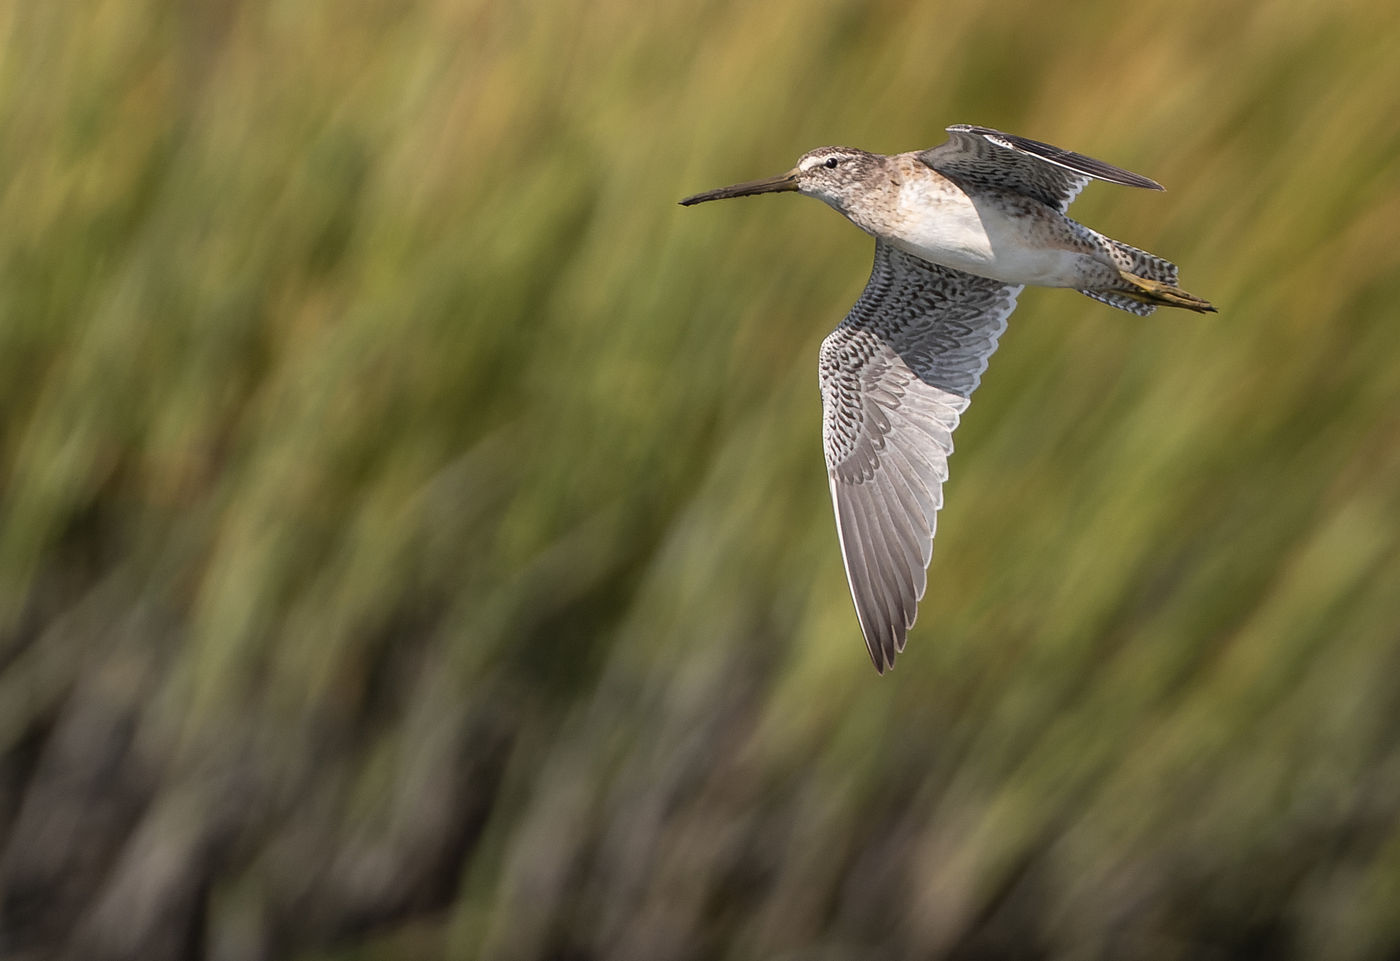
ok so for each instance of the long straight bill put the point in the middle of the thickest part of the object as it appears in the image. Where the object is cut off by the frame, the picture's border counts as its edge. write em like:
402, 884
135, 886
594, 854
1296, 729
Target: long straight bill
768, 185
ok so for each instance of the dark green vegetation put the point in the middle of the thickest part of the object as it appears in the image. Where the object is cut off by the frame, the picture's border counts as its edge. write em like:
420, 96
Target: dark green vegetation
413, 535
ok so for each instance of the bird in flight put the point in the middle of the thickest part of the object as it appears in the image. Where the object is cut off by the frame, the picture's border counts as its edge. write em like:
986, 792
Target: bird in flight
959, 230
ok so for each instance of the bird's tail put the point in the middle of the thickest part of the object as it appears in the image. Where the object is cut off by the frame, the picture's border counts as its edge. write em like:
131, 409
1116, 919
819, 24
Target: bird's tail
1144, 283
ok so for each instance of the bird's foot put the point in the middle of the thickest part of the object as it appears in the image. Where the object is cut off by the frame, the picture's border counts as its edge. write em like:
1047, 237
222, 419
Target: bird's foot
1162, 295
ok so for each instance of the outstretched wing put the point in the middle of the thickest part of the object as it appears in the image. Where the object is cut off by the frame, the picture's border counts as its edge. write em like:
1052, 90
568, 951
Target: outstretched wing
982, 157
895, 377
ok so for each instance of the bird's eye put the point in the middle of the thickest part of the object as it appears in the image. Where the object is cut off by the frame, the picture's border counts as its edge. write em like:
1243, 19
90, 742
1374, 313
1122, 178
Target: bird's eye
831, 163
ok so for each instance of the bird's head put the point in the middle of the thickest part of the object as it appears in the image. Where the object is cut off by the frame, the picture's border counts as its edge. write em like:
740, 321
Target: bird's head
831, 174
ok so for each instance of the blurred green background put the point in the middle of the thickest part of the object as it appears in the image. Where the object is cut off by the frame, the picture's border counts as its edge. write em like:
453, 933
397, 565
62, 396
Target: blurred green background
414, 541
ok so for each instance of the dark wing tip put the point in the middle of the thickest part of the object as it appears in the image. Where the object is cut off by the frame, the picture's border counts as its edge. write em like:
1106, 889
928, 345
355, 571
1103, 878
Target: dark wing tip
882, 653
879, 661
884, 634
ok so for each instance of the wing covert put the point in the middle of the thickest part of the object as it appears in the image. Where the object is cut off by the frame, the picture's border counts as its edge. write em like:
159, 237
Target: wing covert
896, 376
984, 157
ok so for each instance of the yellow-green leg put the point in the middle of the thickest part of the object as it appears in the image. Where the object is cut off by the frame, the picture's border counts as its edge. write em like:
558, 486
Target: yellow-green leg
1162, 295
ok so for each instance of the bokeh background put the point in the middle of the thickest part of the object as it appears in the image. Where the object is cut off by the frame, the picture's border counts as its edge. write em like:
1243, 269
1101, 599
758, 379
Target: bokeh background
414, 541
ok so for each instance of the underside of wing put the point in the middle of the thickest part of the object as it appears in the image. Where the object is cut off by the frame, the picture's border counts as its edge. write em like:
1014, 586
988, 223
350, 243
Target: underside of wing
981, 156
895, 377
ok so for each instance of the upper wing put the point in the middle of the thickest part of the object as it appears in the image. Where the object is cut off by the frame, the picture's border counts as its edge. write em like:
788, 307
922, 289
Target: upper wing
989, 158
895, 377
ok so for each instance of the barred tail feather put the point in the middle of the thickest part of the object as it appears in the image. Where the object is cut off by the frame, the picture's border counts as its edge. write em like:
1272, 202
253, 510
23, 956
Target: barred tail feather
1121, 301
1145, 281
1138, 262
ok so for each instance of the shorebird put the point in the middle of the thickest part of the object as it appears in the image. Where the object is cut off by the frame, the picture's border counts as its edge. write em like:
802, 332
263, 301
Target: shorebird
959, 230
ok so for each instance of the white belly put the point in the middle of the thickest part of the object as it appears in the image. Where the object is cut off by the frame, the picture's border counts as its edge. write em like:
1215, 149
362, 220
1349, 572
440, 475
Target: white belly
947, 228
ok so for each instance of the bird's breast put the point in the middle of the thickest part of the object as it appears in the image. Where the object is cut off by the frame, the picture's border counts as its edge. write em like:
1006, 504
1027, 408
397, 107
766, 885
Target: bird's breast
1003, 236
